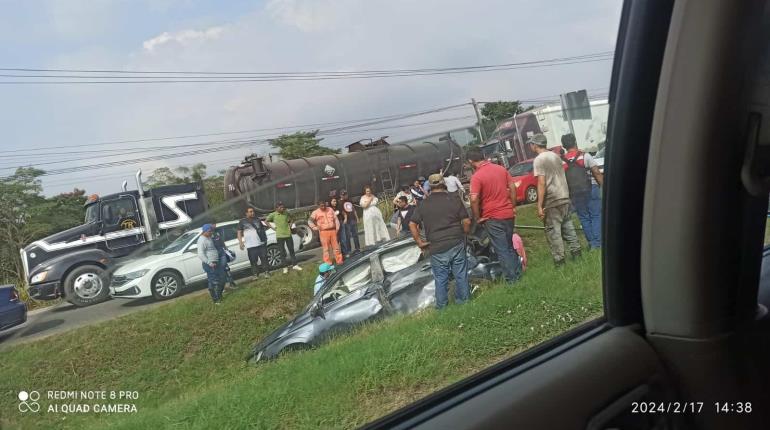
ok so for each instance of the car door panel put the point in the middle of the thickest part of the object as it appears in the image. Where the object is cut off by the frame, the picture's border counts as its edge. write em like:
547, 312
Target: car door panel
411, 289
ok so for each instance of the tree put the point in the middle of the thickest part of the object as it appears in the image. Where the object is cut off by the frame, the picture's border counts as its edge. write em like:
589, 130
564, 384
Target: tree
196, 173
301, 144
163, 176
498, 111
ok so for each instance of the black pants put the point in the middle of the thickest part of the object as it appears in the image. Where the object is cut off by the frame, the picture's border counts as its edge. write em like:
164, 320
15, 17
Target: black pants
258, 253
287, 243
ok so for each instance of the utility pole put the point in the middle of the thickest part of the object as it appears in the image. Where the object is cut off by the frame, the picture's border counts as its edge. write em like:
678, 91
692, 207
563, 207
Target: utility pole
478, 119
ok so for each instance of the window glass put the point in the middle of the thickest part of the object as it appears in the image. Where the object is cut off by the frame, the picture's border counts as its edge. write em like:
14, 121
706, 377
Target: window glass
350, 281
225, 106
229, 232
401, 258
115, 211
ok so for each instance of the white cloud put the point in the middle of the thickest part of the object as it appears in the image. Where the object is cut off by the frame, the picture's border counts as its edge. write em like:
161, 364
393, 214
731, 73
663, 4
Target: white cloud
308, 15
183, 37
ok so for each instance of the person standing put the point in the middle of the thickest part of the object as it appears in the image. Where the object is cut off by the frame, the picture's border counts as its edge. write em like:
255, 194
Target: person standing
224, 269
252, 237
404, 214
281, 221
453, 185
375, 229
325, 222
406, 193
341, 233
584, 180
417, 192
446, 224
493, 202
207, 253
553, 203
350, 224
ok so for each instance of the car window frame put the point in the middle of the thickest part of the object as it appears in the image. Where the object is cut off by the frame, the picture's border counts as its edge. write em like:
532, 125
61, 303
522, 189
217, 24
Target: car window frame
371, 260
193, 244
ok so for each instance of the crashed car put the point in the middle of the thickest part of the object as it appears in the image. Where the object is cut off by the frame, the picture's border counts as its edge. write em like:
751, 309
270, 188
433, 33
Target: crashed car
394, 278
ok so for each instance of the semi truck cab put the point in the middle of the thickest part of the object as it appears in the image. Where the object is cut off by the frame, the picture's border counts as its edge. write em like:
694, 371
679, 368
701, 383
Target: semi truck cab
76, 263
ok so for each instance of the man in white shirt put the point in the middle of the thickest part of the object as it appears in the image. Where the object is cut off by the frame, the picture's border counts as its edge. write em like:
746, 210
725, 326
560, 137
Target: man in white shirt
252, 237
453, 185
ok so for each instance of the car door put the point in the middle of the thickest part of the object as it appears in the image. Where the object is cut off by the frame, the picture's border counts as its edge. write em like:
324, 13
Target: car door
191, 264
408, 279
351, 298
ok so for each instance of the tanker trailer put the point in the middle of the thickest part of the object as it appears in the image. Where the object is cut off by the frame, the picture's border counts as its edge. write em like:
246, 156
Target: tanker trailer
301, 182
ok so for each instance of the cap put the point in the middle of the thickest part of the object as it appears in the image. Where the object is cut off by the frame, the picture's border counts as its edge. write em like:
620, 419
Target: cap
436, 179
206, 227
421, 179
325, 267
538, 139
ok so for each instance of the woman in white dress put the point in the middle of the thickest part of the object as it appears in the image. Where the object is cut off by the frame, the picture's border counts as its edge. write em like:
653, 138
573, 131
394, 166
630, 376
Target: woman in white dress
375, 229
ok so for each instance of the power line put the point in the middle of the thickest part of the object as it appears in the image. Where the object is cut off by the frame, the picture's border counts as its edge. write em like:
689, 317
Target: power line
103, 165
302, 126
592, 55
176, 80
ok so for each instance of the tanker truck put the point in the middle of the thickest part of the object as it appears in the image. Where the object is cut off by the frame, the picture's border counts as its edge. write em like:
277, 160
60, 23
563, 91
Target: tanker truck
301, 182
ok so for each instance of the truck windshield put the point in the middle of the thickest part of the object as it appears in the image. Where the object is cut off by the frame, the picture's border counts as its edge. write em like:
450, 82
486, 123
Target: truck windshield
179, 243
92, 213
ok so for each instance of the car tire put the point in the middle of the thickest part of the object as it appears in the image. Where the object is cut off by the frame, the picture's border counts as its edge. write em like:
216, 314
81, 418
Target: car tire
274, 256
308, 237
166, 285
530, 194
86, 285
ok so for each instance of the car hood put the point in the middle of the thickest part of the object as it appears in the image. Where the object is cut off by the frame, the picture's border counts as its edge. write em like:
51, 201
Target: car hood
279, 332
147, 262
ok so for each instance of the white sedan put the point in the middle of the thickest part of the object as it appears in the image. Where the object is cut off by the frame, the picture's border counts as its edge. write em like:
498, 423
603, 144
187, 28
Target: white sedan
163, 275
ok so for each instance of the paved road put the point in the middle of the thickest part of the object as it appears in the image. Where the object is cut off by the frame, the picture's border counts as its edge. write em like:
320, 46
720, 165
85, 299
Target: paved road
65, 316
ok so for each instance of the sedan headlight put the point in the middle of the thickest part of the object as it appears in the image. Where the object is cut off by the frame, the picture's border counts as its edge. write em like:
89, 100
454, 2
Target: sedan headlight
40, 277
135, 275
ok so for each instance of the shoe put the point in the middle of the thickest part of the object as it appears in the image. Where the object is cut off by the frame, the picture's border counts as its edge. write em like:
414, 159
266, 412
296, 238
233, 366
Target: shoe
285, 270
576, 255
217, 303
558, 263
297, 268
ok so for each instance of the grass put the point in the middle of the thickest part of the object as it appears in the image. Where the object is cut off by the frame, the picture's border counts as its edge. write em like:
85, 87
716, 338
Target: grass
186, 358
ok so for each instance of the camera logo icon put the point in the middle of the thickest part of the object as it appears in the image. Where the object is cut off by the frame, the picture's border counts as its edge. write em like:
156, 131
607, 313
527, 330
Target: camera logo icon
28, 402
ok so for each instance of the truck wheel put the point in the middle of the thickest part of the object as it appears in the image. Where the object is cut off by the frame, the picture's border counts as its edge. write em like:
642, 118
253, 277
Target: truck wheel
86, 285
306, 234
531, 194
274, 256
166, 285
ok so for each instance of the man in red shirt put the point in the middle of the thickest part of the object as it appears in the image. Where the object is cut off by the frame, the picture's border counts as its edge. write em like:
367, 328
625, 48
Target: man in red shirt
493, 201
325, 222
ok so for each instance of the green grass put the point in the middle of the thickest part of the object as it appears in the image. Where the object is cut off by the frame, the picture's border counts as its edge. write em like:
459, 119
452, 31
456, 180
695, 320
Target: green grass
186, 358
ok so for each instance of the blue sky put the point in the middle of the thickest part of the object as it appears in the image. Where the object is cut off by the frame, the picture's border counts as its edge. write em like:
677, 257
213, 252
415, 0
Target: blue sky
274, 35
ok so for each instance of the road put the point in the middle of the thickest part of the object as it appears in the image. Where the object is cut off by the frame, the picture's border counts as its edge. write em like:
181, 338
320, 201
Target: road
65, 316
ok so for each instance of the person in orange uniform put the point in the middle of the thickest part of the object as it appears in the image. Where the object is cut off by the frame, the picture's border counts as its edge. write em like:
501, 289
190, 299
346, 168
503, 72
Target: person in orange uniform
325, 222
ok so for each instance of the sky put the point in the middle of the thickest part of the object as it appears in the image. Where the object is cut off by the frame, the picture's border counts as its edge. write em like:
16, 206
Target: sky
270, 36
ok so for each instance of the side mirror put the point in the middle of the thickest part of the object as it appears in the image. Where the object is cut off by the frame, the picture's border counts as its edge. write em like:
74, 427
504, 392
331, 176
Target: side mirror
317, 311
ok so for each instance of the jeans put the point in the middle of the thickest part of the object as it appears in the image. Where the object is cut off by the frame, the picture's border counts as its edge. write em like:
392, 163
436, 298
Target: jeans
501, 234
224, 272
454, 262
342, 238
588, 207
212, 273
351, 233
559, 229
287, 243
258, 253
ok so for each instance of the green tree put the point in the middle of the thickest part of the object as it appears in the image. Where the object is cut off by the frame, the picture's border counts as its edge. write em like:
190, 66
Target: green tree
301, 144
500, 110
163, 176
196, 173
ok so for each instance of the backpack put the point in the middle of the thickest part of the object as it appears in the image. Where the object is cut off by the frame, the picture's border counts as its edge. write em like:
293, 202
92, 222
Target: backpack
577, 175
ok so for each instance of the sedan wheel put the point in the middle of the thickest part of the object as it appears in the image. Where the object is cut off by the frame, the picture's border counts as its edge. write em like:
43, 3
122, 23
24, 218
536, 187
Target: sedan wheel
274, 257
166, 285
531, 195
